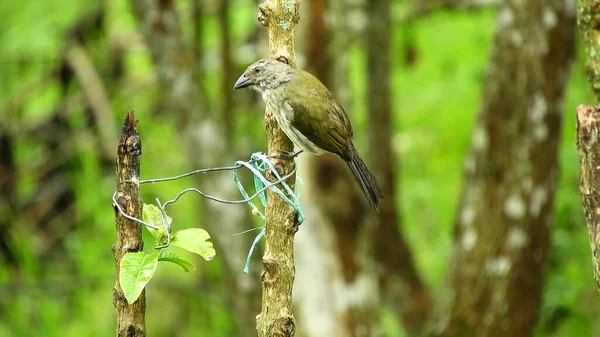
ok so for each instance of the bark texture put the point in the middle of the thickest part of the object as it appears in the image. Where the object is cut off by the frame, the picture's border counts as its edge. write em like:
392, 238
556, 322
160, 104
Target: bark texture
401, 288
202, 134
588, 20
503, 226
130, 318
588, 146
276, 318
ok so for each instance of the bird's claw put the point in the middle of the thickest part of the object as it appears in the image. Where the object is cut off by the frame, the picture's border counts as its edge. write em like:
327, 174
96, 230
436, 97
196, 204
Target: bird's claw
285, 155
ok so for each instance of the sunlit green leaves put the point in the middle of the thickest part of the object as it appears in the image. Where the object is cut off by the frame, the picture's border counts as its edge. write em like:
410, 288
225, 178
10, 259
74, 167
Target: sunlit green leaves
137, 269
196, 241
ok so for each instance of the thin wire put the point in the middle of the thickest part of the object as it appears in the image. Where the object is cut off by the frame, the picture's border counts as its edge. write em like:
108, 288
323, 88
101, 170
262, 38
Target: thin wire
166, 225
116, 204
247, 231
258, 165
207, 170
232, 202
214, 169
163, 206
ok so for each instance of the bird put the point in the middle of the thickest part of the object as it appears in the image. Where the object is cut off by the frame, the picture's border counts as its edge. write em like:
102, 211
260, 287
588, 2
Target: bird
310, 117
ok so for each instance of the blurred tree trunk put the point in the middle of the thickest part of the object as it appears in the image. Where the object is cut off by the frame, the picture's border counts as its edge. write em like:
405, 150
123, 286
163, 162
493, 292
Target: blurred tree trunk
227, 71
401, 288
206, 146
503, 225
340, 42
336, 217
198, 13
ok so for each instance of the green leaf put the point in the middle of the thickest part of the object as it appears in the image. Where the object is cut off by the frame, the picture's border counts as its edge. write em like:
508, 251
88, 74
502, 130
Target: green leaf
152, 215
170, 257
196, 241
136, 271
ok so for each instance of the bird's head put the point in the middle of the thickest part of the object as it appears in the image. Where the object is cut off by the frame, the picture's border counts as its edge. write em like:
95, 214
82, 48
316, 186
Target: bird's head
264, 74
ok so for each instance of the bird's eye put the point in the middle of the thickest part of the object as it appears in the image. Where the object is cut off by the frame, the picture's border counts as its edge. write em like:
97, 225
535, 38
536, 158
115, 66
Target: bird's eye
257, 70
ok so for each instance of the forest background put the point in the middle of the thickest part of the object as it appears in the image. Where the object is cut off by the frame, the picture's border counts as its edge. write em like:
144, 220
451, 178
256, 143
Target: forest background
467, 81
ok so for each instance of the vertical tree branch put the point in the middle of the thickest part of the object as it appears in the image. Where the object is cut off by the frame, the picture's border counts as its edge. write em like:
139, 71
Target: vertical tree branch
337, 296
588, 146
276, 318
130, 318
201, 132
503, 226
401, 286
317, 42
588, 20
588, 126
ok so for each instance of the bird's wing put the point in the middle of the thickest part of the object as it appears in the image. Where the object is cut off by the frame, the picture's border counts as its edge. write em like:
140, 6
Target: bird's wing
321, 119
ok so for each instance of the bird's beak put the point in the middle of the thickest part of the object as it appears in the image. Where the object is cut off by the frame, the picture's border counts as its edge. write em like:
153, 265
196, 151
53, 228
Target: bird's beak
243, 82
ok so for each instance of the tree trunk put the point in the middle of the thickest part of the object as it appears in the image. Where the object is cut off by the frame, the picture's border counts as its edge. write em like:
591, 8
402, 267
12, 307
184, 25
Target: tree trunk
503, 226
337, 218
131, 320
227, 72
276, 318
401, 288
206, 146
588, 135
588, 122
588, 19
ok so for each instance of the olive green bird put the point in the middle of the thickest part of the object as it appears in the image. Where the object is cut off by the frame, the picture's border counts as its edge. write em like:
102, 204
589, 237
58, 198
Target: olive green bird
310, 116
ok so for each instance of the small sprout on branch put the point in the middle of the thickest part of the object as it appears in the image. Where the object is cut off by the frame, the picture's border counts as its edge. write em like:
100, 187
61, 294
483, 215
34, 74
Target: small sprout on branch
152, 215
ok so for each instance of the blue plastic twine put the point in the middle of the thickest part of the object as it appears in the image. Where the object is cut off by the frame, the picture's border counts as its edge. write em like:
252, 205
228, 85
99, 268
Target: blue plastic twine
258, 165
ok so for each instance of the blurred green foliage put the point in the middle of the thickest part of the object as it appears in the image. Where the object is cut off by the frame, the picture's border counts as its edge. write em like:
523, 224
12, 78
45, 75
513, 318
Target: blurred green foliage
436, 100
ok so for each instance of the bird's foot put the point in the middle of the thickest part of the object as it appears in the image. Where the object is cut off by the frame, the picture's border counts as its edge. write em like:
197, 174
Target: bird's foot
285, 155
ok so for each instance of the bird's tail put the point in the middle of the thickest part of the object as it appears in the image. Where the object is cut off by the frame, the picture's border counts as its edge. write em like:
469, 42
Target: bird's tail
365, 179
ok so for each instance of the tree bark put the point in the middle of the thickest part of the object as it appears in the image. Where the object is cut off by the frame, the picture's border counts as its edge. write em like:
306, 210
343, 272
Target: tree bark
130, 318
276, 318
503, 226
588, 146
588, 19
202, 134
401, 288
